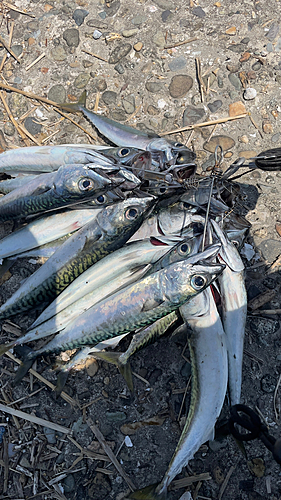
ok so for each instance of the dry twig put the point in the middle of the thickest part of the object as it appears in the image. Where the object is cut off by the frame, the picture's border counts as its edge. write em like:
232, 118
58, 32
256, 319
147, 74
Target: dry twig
94, 55
203, 124
225, 483
35, 61
180, 43
14, 122
277, 415
34, 419
187, 481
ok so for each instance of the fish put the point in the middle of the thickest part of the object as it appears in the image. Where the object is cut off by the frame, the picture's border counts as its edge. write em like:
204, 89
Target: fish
8, 185
234, 311
208, 353
69, 185
137, 305
126, 136
111, 229
40, 159
46, 229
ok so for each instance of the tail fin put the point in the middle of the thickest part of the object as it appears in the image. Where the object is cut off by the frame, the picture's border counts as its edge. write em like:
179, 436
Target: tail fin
125, 370
22, 370
61, 381
147, 493
75, 106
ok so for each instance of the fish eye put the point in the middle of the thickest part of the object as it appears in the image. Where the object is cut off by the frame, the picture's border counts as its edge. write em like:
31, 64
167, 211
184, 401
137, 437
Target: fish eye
86, 184
131, 213
184, 248
101, 199
123, 152
186, 205
179, 145
235, 243
180, 159
162, 190
198, 282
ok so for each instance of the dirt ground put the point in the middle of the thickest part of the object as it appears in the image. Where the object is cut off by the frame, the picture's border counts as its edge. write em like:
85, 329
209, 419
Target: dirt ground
137, 62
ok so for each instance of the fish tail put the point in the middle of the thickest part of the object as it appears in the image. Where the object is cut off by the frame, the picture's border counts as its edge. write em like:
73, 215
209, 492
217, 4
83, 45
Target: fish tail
75, 106
125, 369
23, 369
61, 381
6, 347
148, 493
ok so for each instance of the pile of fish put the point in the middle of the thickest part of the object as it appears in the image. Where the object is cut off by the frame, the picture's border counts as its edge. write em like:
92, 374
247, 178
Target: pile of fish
133, 241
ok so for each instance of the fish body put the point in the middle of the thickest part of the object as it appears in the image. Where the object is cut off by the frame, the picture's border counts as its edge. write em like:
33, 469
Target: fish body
8, 185
135, 306
110, 230
234, 312
69, 185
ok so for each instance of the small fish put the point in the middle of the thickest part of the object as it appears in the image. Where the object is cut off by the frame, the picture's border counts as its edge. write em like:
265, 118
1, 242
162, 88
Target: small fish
69, 185
208, 353
111, 229
135, 306
234, 311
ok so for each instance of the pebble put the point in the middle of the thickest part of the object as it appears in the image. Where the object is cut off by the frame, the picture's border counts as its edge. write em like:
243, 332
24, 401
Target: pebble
233, 94
232, 68
71, 36
32, 125
119, 52
256, 66
138, 20
164, 4
235, 81
57, 93
154, 87
198, 12
177, 64
269, 283
267, 127
91, 366
112, 8
276, 137
69, 483
99, 83
251, 75
129, 33
268, 383
82, 80
50, 435
138, 46
219, 475
249, 93
115, 416
180, 85
231, 31
109, 97
59, 53
102, 14
87, 64
256, 466
129, 104
220, 82
97, 34
25, 463
17, 49
214, 106
97, 23
159, 39
79, 16
119, 68
219, 140
9, 129
166, 14
264, 326
18, 104
245, 57
247, 154
192, 115
236, 47
269, 47
272, 32
119, 115
244, 139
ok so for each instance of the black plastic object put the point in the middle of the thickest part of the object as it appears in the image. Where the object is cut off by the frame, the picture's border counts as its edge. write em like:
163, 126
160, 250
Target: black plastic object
269, 160
249, 420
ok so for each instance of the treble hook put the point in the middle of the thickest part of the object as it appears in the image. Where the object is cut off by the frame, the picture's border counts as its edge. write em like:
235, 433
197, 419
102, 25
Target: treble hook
216, 171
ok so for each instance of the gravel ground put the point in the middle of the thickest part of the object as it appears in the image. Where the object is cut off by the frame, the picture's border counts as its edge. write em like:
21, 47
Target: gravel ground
137, 62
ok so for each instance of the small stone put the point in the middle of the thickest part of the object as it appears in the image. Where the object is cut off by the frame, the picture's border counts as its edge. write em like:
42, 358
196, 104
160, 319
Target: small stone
69, 483
119, 52
17, 49
236, 47
138, 20
219, 140
59, 53
9, 129
109, 97
249, 93
82, 80
115, 416
119, 115
129, 33
154, 87
218, 475
50, 435
102, 14
256, 66
267, 127
71, 36
166, 14
245, 57
97, 34
231, 31
198, 12
269, 47
91, 366
268, 384
251, 75
276, 137
111, 8
32, 125
31, 41
180, 85
245, 40
57, 93
232, 68
25, 463
214, 106
87, 64
99, 83
18, 104
138, 46
159, 39
164, 4
220, 82
97, 23
273, 32
233, 94
192, 115
244, 139
247, 154
235, 81
256, 466
119, 68
178, 63
152, 110
79, 16
269, 283
128, 104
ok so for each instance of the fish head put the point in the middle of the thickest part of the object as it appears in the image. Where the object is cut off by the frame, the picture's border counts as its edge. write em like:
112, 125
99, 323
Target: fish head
182, 281
182, 250
228, 252
126, 216
80, 181
123, 155
175, 218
